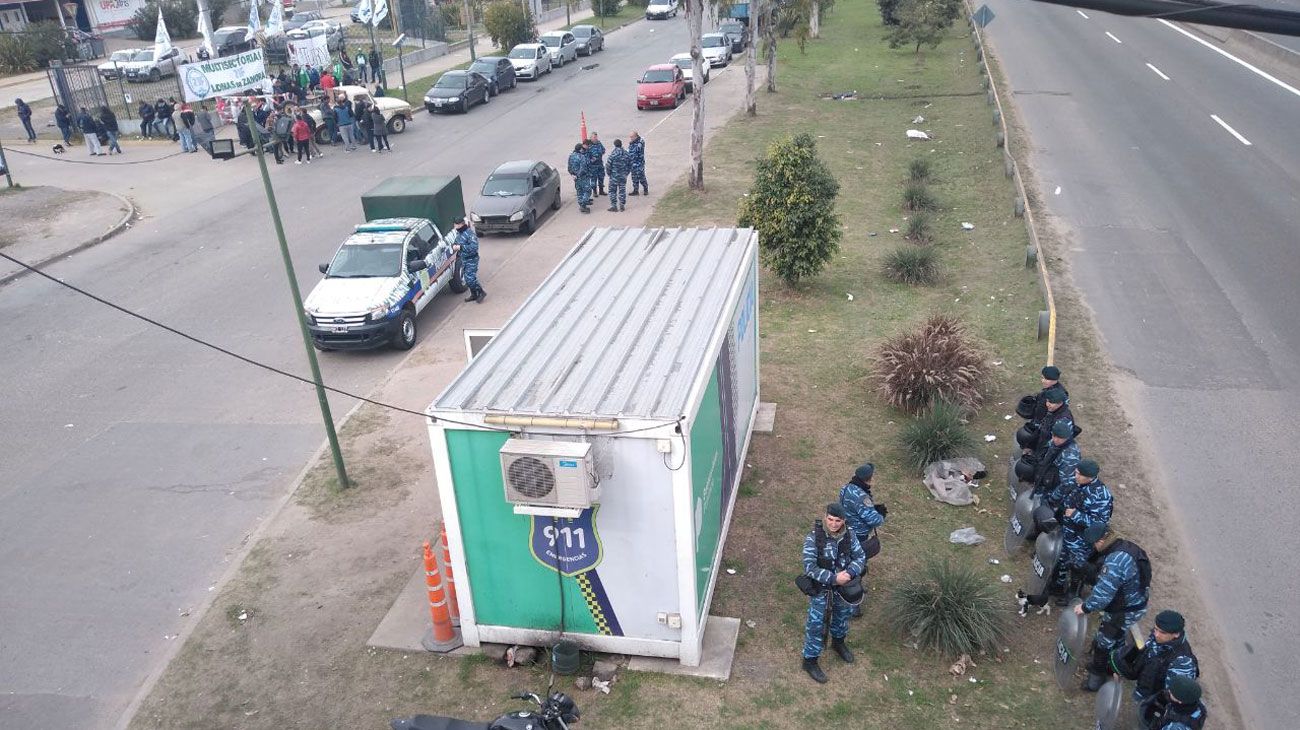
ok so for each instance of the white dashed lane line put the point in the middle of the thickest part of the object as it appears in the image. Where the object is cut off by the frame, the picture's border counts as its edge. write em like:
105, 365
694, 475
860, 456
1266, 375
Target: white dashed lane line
1112, 37
1159, 73
1231, 131
1082, 14
1225, 54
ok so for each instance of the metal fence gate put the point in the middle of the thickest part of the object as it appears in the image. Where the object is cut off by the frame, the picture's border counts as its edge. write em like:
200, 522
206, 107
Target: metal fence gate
77, 86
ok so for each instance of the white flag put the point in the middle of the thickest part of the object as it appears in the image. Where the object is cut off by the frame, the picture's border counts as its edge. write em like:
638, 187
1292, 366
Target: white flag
205, 29
162, 41
254, 22
381, 12
363, 11
275, 23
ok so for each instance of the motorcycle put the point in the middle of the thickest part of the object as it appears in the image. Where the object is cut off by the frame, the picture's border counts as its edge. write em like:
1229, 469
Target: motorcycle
556, 712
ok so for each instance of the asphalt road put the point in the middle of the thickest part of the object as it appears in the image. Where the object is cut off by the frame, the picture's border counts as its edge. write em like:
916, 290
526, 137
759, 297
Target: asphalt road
1184, 243
135, 463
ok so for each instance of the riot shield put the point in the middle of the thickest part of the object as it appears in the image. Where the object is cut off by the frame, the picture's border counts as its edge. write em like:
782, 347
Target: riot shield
1021, 522
1071, 638
1110, 701
1047, 552
1013, 482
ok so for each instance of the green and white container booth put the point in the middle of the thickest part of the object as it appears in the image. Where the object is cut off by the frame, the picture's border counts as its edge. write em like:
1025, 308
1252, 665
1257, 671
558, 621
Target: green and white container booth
588, 457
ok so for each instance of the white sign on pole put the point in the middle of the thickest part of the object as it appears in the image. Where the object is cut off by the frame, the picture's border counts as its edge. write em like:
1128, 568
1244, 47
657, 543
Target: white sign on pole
312, 51
225, 76
381, 12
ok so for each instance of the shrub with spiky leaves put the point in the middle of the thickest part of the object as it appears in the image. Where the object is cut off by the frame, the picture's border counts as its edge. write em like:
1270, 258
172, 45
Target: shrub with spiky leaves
792, 206
919, 228
919, 171
916, 196
937, 433
949, 608
914, 265
940, 360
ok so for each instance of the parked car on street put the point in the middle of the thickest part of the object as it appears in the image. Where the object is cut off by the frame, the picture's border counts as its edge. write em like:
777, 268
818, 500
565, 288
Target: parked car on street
145, 65
530, 60
716, 48
662, 85
300, 19
515, 196
562, 46
590, 39
499, 72
737, 32
396, 111
661, 10
683, 61
231, 39
458, 91
116, 63
333, 33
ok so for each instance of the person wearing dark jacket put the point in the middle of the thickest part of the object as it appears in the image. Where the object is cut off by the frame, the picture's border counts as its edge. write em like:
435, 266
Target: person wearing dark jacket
1051, 378
1166, 655
64, 121
163, 124
863, 514
25, 116
1058, 410
108, 122
361, 111
832, 560
466, 247
1183, 710
90, 130
378, 131
377, 67
1121, 572
187, 129
146, 119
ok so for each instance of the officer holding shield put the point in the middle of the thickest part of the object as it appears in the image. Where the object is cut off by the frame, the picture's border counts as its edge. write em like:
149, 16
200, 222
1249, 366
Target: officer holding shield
833, 560
1165, 656
1088, 503
1122, 588
1055, 476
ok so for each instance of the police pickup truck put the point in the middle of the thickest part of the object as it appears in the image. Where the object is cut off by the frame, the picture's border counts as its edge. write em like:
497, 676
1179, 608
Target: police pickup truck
383, 275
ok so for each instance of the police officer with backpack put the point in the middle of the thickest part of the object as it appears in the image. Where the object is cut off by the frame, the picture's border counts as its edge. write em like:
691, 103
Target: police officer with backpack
1121, 574
1165, 656
864, 515
833, 560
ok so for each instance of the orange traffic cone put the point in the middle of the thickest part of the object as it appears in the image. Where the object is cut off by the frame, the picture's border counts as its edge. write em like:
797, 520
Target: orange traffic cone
442, 637
449, 578
584, 125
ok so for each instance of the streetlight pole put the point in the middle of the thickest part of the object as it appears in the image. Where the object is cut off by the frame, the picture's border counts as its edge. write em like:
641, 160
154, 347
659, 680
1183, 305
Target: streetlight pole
333, 437
469, 27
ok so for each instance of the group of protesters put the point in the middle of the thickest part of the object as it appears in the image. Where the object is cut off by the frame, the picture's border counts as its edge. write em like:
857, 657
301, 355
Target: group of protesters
291, 125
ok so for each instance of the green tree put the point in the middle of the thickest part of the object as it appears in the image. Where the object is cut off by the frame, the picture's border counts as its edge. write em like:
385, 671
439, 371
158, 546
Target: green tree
182, 19
792, 206
31, 49
508, 24
888, 11
605, 8
923, 22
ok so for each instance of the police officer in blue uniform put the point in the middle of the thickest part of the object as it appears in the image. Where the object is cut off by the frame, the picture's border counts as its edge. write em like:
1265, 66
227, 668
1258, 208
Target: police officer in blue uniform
833, 561
1057, 407
1055, 476
1088, 503
467, 246
864, 515
1122, 586
1184, 709
1166, 655
596, 167
579, 160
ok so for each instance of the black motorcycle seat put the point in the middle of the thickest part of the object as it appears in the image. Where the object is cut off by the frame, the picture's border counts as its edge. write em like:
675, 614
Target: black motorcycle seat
433, 722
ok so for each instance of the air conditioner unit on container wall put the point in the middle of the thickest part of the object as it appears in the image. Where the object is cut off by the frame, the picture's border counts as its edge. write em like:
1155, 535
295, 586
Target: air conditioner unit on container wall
549, 474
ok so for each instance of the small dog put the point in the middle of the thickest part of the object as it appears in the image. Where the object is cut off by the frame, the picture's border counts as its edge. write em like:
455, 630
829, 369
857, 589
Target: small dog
1022, 600
58, 149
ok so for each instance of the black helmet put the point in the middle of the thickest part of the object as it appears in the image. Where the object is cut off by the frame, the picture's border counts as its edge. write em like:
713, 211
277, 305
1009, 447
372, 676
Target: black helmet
1027, 435
1025, 408
1025, 468
851, 592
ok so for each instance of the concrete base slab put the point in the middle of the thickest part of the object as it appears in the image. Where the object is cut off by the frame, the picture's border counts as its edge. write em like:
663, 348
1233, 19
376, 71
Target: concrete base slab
765, 419
407, 622
719, 651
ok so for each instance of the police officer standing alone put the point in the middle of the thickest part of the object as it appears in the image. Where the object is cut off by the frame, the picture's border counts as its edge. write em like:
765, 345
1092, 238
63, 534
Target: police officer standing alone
832, 559
467, 246
864, 516
578, 161
1184, 709
1165, 656
1123, 585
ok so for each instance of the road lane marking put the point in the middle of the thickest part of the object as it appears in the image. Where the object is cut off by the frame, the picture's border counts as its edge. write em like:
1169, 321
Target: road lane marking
1231, 131
1225, 54
1159, 73
1113, 38
1080, 12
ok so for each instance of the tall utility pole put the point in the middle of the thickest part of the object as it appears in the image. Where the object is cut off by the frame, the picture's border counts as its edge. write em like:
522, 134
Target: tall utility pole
333, 437
469, 28
9, 178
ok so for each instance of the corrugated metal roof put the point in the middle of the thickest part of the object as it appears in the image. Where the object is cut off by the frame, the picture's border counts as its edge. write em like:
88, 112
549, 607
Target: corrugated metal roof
619, 329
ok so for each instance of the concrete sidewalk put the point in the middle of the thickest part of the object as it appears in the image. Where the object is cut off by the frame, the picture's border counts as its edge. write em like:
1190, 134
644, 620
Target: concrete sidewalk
43, 224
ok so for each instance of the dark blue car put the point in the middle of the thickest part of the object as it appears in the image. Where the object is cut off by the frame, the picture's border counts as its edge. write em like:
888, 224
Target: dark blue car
499, 72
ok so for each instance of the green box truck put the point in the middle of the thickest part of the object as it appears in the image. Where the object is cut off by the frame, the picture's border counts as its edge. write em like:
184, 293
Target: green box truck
438, 199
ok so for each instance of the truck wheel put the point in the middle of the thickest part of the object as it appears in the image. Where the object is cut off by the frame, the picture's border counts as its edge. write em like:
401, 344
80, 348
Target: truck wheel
457, 283
397, 125
404, 338
322, 134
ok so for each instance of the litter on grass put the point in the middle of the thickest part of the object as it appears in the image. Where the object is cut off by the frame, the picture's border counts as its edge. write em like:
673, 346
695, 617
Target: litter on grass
917, 134
965, 536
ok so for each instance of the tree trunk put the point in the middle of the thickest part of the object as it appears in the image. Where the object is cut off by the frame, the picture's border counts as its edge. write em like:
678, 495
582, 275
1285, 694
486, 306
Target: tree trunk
695, 22
769, 47
751, 53
815, 19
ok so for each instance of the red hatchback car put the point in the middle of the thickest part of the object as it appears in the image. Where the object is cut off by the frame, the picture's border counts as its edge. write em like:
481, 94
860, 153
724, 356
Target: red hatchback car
662, 85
